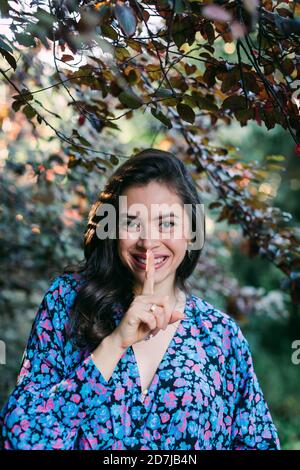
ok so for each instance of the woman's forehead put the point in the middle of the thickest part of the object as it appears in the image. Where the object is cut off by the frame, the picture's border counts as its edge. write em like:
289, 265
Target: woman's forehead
153, 192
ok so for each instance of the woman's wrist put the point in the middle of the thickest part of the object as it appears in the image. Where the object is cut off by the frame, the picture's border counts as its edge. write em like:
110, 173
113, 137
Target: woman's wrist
116, 341
111, 345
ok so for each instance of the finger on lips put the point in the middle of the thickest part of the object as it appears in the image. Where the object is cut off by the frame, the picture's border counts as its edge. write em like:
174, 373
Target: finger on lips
148, 287
163, 313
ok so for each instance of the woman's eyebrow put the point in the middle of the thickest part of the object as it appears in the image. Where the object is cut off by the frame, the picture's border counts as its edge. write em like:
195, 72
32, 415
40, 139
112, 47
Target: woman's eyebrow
161, 216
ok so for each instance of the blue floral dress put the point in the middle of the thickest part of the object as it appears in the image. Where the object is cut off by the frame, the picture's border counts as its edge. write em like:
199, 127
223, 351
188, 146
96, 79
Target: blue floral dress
204, 395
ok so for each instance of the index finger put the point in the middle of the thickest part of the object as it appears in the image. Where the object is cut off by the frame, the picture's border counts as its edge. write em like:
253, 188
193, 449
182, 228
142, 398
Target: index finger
148, 287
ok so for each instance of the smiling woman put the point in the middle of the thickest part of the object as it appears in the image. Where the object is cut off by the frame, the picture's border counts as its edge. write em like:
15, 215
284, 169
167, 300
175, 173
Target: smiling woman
90, 376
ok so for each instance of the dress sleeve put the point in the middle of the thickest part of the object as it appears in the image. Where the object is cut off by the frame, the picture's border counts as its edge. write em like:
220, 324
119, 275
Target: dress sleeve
253, 428
52, 398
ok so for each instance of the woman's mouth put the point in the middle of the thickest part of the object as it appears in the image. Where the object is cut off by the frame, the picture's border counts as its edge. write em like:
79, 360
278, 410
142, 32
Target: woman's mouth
140, 262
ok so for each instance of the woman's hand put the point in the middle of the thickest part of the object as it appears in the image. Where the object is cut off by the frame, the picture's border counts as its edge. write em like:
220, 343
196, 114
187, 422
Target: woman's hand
138, 321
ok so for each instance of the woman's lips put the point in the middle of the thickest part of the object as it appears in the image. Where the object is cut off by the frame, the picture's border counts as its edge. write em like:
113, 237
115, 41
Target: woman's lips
142, 266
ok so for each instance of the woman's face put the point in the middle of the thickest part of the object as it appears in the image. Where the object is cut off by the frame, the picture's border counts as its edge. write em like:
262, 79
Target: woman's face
165, 236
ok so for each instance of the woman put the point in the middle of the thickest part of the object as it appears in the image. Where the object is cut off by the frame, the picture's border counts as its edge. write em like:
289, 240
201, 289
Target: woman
121, 355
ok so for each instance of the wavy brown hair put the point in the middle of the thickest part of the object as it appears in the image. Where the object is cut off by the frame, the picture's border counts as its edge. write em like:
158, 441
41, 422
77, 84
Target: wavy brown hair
106, 279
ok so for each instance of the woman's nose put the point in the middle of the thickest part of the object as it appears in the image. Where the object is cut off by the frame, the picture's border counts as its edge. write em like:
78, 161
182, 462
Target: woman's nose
148, 240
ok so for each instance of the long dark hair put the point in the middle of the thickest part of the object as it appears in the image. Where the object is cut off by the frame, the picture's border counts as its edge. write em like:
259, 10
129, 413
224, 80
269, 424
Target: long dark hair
107, 280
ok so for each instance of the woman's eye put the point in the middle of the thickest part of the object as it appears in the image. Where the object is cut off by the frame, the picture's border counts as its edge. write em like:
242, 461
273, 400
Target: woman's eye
131, 224
168, 222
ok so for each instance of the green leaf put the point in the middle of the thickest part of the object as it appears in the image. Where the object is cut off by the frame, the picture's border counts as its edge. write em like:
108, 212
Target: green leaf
24, 95
185, 112
163, 93
234, 103
205, 103
4, 8
109, 32
17, 105
25, 39
126, 19
243, 115
277, 158
5, 46
179, 33
114, 160
161, 117
122, 53
10, 58
81, 138
29, 111
215, 204
130, 100
45, 18
180, 6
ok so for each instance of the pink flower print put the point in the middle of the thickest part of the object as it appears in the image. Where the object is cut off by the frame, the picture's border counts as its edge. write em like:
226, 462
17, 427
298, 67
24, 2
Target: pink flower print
80, 373
44, 369
187, 398
196, 368
75, 398
170, 399
119, 393
24, 424
47, 324
199, 396
207, 323
16, 429
45, 338
190, 363
117, 445
200, 350
195, 331
58, 444
266, 434
47, 406
217, 379
226, 343
164, 417
182, 426
180, 382
228, 420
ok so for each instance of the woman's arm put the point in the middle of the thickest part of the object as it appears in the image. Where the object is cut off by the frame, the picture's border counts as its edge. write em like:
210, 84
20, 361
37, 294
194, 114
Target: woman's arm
253, 428
107, 355
52, 400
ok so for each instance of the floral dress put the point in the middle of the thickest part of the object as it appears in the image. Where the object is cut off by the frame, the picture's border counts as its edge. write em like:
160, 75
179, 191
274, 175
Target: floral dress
204, 394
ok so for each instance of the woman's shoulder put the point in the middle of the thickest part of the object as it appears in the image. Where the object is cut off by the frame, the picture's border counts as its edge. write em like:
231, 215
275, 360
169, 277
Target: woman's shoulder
66, 282
216, 321
61, 292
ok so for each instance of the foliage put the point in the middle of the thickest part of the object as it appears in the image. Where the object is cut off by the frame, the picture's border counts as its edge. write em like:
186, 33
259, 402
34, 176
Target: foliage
138, 55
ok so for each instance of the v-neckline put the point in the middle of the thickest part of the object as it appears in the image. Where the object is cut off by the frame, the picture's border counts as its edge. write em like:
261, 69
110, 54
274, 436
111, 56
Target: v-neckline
171, 344
129, 353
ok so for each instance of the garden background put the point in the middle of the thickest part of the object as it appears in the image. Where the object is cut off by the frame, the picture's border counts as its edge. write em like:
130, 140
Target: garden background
87, 84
